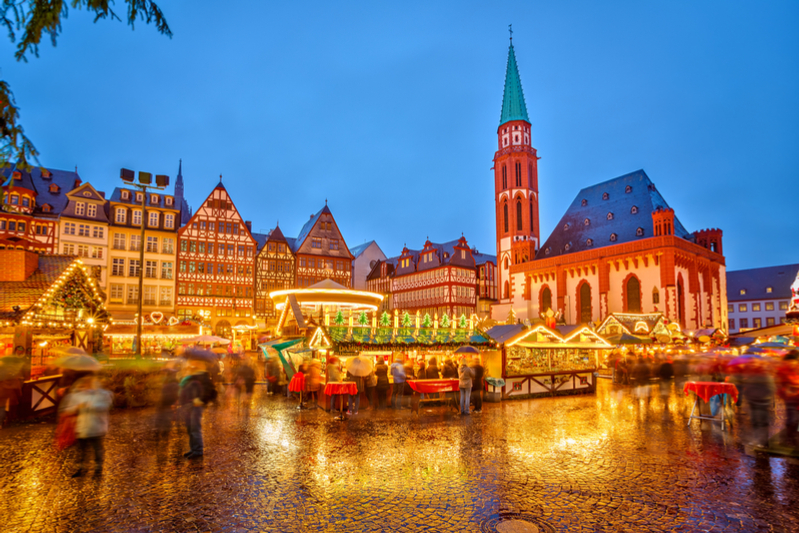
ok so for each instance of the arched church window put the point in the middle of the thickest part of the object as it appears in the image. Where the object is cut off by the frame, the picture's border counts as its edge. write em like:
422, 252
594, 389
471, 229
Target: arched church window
505, 217
567, 246
530, 208
547, 251
519, 215
585, 221
505, 178
589, 242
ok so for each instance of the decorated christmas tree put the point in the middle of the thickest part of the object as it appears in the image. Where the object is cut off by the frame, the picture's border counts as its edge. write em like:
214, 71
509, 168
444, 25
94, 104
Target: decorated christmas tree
445, 321
462, 322
426, 321
385, 319
406, 320
362, 318
339, 320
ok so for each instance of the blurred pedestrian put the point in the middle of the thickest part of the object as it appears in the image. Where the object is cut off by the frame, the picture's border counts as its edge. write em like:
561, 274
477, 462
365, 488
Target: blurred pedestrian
382, 386
10, 386
465, 375
334, 375
432, 372
398, 384
196, 391
246, 381
90, 404
477, 384
787, 377
408, 392
314, 381
271, 371
449, 370
169, 396
758, 389
370, 383
353, 400
665, 372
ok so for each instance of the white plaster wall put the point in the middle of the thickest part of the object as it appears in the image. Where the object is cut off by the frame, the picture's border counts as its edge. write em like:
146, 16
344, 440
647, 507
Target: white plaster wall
570, 304
361, 266
649, 277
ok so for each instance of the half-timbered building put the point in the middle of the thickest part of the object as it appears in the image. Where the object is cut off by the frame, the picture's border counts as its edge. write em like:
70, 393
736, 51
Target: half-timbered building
32, 201
321, 252
216, 256
275, 270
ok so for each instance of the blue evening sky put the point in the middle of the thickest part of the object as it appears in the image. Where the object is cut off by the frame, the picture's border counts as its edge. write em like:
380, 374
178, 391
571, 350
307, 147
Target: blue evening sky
390, 110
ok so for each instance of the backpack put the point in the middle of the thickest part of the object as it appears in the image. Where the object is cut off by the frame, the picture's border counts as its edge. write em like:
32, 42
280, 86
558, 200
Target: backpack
208, 393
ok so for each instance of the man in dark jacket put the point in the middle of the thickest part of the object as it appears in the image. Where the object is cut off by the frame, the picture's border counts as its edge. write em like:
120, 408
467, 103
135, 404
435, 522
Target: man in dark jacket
381, 371
449, 370
477, 384
194, 388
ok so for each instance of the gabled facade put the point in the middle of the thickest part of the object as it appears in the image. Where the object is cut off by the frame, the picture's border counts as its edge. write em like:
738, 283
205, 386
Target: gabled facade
161, 219
366, 256
275, 270
321, 252
486, 288
31, 203
83, 230
216, 256
759, 297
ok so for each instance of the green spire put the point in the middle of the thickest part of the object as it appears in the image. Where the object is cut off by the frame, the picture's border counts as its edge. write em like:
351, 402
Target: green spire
513, 99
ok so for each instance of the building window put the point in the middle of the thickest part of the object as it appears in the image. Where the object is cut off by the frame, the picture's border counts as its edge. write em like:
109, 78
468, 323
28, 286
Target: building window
166, 296
117, 292
584, 203
639, 232
613, 237
69, 228
91, 211
634, 210
589, 242
742, 308
133, 268
241, 250
519, 215
757, 307
730, 308
742, 323
168, 200
150, 269
605, 196
757, 322
83, 230
21, 227
139, 197
783, 306
168, 246
770, 321
547, 250
628, 189
316, 243
150, 294
505, 217
119, 217
769, 306
98, 232
152, 245
610, 216
334, 245
117, 267
69, 249
769, 290
731, 324
136, 243
152, 219
80, 208
153, 198
169, 221
97, 252
137, 217
83, 250
742, 291
133, 294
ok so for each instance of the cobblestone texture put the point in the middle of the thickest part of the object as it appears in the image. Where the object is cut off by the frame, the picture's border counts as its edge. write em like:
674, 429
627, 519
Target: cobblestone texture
610, 462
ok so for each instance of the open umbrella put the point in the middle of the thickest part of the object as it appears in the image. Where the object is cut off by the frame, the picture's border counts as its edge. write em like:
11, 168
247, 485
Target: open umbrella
79, 363
467, 349
624, 338
359, 366
200, 354
72, 350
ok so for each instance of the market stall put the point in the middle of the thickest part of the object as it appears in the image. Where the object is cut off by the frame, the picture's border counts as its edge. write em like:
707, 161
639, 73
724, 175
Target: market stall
119, 339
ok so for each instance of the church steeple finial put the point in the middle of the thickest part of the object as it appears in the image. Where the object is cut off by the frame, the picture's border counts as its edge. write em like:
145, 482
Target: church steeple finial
513, 100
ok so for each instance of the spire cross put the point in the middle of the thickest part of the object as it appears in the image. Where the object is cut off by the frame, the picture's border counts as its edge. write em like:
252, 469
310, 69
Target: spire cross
220, 178
510, 33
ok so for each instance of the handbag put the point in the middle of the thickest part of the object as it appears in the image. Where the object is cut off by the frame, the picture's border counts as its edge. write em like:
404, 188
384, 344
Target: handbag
372, 380
65, 432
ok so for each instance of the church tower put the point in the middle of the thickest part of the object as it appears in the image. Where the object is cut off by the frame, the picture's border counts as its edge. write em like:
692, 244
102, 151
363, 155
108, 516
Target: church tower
516, 182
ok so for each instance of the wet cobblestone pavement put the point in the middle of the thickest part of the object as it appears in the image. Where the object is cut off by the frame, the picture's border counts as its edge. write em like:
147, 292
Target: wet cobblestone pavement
605, 462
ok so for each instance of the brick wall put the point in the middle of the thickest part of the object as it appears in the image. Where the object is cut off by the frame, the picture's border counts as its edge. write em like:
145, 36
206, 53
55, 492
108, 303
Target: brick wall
17, 265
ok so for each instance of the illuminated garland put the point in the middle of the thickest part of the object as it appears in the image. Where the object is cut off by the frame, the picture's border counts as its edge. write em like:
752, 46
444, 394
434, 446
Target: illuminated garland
72, 295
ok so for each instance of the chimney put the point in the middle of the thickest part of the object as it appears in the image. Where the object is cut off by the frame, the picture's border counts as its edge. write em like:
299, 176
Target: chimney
17, 265
312, 216
249, 225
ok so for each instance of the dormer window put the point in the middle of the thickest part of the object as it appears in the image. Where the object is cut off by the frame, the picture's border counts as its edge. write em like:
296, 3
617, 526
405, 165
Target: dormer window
46, 208
769, 289
743, 291
605, 196
639, 232
628, 189
613, 237
153, 198
46, 174
584, 203
651, 187
610, 216
168, 200
125, 195
139, 197
634, 210
17, 175
54, 188
589, 242
585, 221
547, 251
567, 247
566, 226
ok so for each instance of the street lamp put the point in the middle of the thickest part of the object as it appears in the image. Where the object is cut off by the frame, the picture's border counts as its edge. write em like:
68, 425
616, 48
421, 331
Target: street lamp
145, 181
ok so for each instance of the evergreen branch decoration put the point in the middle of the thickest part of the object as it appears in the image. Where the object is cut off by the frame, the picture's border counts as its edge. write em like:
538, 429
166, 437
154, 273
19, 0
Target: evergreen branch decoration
385, 319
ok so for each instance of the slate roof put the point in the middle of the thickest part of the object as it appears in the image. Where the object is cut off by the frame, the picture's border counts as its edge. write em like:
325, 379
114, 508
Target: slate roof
572, 234
503, 332
116, 197
513, 100
26, 293
756, 280
261, 240
308, 226
57, 201
359, 249
483, 258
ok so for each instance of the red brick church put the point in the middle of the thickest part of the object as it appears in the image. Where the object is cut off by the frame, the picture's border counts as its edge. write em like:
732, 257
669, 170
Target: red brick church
619, 248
